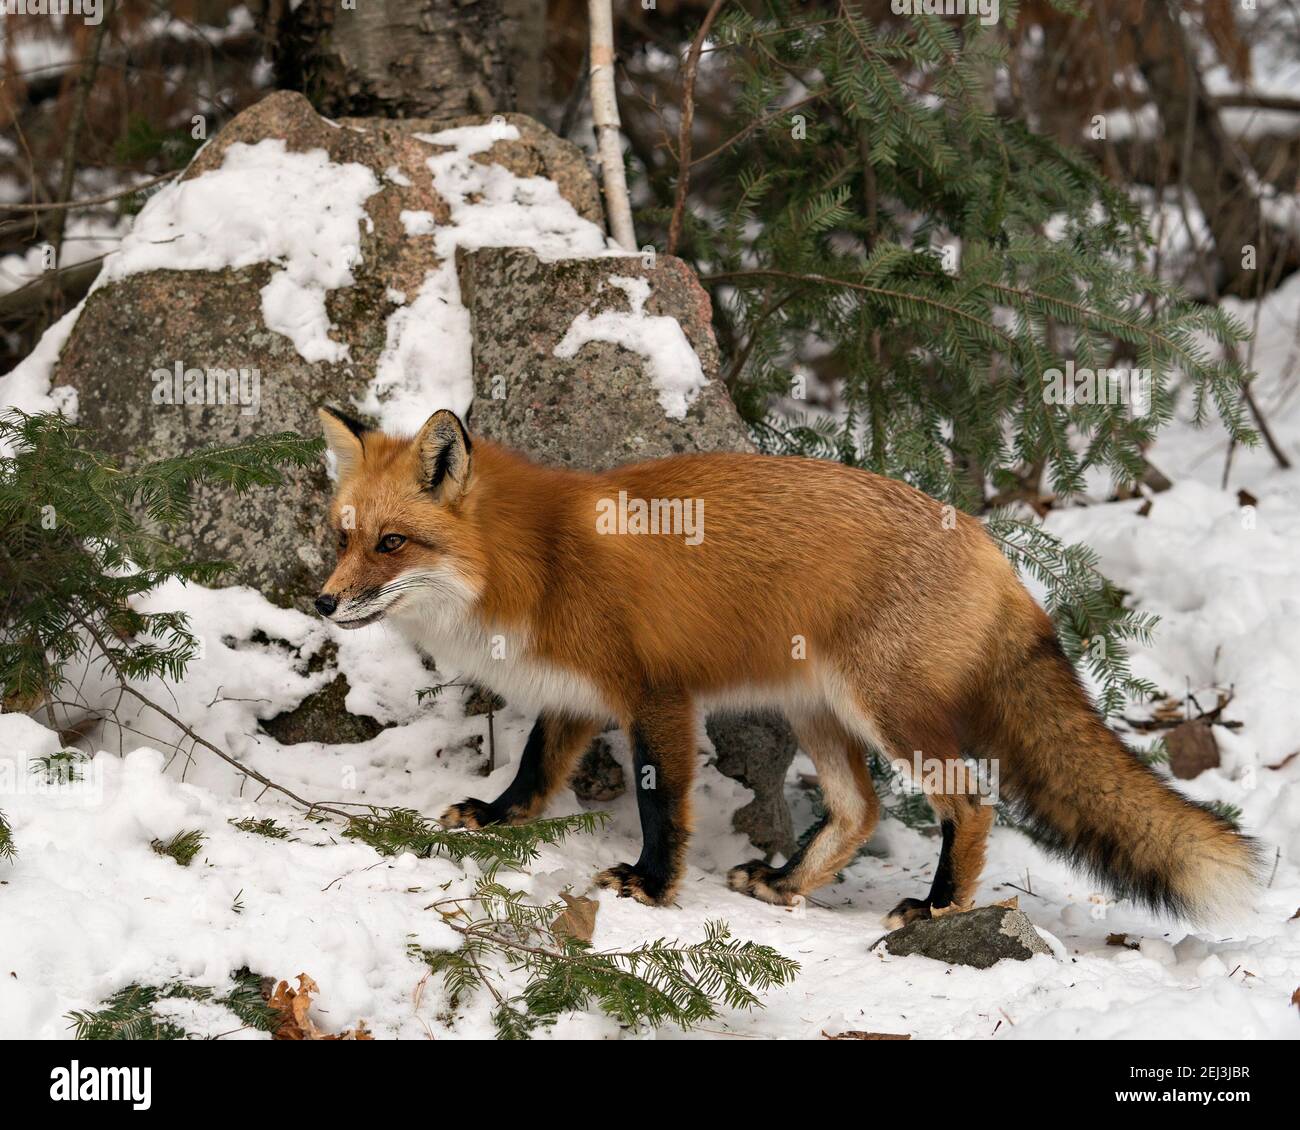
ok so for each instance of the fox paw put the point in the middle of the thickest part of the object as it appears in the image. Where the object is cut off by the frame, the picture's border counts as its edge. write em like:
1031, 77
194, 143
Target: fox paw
909, 910
631, 882
761, 881
471, 814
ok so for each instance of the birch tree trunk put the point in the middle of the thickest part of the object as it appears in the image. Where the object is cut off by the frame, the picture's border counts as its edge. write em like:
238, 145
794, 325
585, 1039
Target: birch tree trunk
604, 114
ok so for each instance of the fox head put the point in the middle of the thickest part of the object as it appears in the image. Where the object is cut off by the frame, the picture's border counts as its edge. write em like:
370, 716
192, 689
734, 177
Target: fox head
407, 543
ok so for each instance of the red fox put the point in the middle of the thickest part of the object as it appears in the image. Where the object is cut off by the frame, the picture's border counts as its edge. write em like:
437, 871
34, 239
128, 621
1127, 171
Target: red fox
859, 606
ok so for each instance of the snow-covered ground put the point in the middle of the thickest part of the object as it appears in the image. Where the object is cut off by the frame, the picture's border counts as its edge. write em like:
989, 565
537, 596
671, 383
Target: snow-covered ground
88, 907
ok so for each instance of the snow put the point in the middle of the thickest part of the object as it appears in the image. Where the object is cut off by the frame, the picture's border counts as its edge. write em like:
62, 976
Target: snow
27, 385
301, 211
675, 370
426, 364
89, 907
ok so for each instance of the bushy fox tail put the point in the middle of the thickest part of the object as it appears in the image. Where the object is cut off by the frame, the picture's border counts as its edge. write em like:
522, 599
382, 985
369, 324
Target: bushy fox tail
1087, 797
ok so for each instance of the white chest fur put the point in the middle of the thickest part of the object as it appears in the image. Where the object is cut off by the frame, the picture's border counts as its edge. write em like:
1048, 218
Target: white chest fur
498, 660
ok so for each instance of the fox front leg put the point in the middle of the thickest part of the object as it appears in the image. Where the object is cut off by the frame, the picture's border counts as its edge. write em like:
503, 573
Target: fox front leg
550, 754
663, 759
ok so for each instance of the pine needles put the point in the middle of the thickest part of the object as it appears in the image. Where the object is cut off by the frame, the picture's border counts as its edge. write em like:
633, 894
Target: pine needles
182, 847
391, 831
82, 538
656, 983
132, 1014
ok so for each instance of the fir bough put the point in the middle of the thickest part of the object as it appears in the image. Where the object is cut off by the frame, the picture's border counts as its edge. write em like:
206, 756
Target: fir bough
952, 261
131, 1013
392, 831
82, 538
656, 983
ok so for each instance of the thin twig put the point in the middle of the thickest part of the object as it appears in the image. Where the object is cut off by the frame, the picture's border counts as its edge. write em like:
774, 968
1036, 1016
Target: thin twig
93, 201
687, 120
604, 116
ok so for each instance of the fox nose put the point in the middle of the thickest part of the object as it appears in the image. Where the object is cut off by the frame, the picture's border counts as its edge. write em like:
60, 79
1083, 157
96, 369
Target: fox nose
325, 604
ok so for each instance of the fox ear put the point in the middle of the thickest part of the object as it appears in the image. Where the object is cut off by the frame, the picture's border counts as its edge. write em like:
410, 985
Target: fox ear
443, 447
343, 436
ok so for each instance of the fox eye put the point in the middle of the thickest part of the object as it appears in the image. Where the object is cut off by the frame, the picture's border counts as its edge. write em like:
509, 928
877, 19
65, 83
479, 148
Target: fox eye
390, 542
343, 539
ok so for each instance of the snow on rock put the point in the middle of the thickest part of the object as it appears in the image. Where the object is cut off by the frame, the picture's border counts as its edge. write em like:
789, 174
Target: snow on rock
427, 360
301, 211
675, 370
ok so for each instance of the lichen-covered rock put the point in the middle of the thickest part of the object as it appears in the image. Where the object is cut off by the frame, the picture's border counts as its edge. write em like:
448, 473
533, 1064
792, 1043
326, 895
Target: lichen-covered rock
756, 750
598, 408
599, 778
979, 938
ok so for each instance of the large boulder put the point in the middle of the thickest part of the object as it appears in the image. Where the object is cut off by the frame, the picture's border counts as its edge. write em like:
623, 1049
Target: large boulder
153, 320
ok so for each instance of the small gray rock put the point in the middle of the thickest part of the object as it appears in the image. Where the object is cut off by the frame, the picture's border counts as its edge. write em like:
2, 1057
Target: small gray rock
756, 750
599, 777
979, 938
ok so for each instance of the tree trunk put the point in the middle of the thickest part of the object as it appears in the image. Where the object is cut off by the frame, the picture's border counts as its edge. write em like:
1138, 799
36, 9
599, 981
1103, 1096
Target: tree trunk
1212, 165
407, 58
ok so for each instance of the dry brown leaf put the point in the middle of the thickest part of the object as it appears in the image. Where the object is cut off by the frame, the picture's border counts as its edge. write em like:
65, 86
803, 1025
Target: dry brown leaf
853, 1034
1013, 903
1295, 998
578, 918
294, 1007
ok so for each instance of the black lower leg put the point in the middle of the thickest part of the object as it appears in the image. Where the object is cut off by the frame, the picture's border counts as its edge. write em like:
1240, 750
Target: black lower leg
661, 837
530, 778
529, 782
941, 889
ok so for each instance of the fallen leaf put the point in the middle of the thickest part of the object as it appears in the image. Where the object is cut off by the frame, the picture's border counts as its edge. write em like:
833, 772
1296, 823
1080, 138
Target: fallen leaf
1192, 749
1121, 940
852, 1034
1295, 998
1013, 903
294, 1007
578, 918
